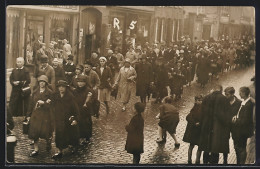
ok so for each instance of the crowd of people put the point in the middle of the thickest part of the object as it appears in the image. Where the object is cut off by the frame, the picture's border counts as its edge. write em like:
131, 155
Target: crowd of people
66, 96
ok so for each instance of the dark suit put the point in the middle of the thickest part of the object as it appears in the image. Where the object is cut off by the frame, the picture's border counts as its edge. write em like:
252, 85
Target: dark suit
242, 130
19, 104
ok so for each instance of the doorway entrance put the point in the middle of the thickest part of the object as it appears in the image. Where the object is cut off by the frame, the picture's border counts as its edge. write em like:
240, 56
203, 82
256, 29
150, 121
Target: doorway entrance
91, 23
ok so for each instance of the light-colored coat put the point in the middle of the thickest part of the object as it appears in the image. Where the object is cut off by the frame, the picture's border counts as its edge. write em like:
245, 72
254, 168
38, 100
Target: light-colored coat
126, 83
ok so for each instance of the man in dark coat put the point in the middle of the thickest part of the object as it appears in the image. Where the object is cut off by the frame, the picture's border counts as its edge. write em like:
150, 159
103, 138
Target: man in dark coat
135, 134
233, 109
215, 127
243, 125
161, 81
66, 114
36, 47
45, 69
144, 78
59, 71
83, 97
203, 71
19, 78
93, 81
112, 63
69, 69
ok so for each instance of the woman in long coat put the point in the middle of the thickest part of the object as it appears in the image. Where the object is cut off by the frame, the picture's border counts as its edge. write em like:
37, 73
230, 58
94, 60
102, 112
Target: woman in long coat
192, 132
83, 97
126, 83
135, 134
66, 113
144, 78
40, 116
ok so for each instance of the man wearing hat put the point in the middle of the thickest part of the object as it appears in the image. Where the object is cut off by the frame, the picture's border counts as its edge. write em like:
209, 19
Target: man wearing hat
36, 47
94, 82
59, 71
120, 58
78, 71
161, 80
66, 49
50, 52
131, 54
45, 69
66, 117
144, 78
112, 63
84, 99
69, 68
40, 52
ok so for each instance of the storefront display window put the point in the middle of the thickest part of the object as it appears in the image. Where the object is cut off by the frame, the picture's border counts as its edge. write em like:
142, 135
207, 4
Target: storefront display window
34, 29
60, 30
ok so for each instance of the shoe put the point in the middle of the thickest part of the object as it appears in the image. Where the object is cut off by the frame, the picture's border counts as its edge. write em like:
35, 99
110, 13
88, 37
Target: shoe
34, 153
57, 156
177, 145
160, 141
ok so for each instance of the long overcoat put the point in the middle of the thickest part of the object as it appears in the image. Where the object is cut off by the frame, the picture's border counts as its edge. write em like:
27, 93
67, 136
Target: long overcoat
216, 124
126, 88
17, 101
144, 78
192, 132
65, 107
203, 71
85, 121
41, 121
135, 135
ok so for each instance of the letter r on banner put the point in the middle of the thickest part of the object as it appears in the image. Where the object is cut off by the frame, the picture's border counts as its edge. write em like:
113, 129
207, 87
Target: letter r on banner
116, 23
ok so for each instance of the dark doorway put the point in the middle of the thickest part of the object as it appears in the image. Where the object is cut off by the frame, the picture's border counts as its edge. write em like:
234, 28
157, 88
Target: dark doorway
206, 32
88, 46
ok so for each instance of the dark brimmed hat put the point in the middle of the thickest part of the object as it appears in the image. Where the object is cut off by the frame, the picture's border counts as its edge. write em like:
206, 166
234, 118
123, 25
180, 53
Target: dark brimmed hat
87, 62
43, 78
70, 57
82, 78
62, 83
80, 67
44, 59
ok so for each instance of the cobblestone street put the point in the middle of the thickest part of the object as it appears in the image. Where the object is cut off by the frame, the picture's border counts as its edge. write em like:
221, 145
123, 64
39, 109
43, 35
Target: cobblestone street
107, 145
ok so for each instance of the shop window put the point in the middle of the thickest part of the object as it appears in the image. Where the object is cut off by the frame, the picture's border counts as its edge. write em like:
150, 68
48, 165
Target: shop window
60, 30
34, 29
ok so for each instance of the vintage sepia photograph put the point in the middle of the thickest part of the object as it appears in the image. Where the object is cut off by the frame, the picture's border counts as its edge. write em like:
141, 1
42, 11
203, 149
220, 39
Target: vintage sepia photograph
120, 85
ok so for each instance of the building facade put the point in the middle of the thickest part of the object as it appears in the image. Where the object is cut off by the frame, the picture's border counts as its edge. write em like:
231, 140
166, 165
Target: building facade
24, 24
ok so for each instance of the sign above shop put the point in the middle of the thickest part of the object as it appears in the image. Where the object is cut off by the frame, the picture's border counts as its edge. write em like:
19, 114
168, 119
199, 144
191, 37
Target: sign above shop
116, 22
56, 8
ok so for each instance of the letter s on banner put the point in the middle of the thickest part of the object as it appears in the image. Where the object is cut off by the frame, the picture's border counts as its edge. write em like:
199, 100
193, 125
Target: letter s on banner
132, 25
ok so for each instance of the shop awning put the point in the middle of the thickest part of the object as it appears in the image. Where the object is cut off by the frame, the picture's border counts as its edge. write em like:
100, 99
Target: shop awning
12, 13
60, 16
